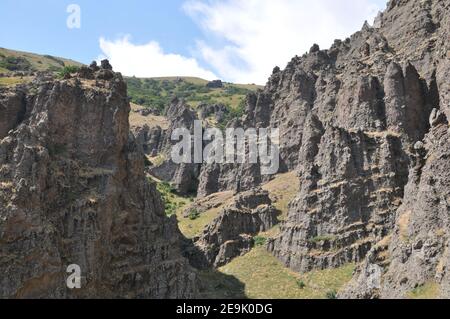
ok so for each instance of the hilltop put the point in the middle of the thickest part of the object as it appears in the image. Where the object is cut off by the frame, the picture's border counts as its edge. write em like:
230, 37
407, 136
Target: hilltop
156, 93
11, 60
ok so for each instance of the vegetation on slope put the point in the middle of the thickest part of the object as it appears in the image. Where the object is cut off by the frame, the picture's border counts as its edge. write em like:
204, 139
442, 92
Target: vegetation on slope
172, 202
156, 93
259, 274
11, 60
262, 276
429, 290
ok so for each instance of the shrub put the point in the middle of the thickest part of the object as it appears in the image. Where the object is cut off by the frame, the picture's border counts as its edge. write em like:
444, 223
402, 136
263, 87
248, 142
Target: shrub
260, 240
332, 294
15, 64
67, 70
193, 214
301, 284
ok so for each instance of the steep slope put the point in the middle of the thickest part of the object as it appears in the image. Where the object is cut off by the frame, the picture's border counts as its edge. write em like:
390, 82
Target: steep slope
350, 120
73, 191
357, 141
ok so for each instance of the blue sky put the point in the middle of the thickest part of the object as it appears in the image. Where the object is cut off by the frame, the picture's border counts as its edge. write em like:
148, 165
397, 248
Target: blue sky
239, 41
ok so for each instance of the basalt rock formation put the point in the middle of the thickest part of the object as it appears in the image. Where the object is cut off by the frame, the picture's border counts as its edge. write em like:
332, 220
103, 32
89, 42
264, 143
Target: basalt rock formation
158, 142
231, 234
357, 122
73, 191
416, 252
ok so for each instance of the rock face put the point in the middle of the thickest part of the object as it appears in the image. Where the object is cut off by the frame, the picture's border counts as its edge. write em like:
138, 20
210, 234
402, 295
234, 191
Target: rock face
148, 139
353, 121
219, 111
73, 191
417, 249
12, 110
355, 147
157, 142
231, 233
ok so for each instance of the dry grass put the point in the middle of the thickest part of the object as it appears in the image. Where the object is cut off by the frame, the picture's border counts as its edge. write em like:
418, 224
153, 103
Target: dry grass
383, 134
138, 120
157, 160
266, 277
91, 172
430, 290
39, 62
192, 228
283, 190
403, 224
11, 81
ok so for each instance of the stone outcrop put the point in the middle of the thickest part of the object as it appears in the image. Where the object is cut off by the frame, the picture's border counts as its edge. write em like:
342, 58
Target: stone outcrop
218, 111
352, 120
73, 191
231, 234
148, 139
216, 84
416, 252
156, 141
12, 110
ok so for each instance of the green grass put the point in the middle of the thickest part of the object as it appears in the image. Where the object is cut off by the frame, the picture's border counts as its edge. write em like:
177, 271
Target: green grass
266, 277
172, 202
260, 240
429, 290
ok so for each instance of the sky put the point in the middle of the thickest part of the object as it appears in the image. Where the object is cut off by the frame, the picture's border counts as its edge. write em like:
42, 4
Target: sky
238, 41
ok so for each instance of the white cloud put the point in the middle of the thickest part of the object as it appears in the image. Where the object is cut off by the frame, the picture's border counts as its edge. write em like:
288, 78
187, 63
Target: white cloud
246, 39
149, 60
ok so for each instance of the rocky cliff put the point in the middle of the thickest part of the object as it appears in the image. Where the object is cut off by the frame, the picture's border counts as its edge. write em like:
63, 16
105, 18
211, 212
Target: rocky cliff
365, 125
73, 191
231, 233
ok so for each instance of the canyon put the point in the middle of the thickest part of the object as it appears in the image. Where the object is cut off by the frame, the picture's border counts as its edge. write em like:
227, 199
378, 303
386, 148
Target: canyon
363, 179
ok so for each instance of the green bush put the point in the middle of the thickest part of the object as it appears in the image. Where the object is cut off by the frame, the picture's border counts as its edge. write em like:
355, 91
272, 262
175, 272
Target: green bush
15, 64
67, 70
194, 214
332, 294
260, 240
233, 113
301, 284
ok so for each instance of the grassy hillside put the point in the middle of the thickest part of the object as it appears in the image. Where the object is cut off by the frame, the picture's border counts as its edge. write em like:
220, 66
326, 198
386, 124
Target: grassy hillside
157, 92
11, 60
265, 277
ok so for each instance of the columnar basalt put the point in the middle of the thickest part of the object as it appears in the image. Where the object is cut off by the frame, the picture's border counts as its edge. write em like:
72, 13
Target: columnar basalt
73, 191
